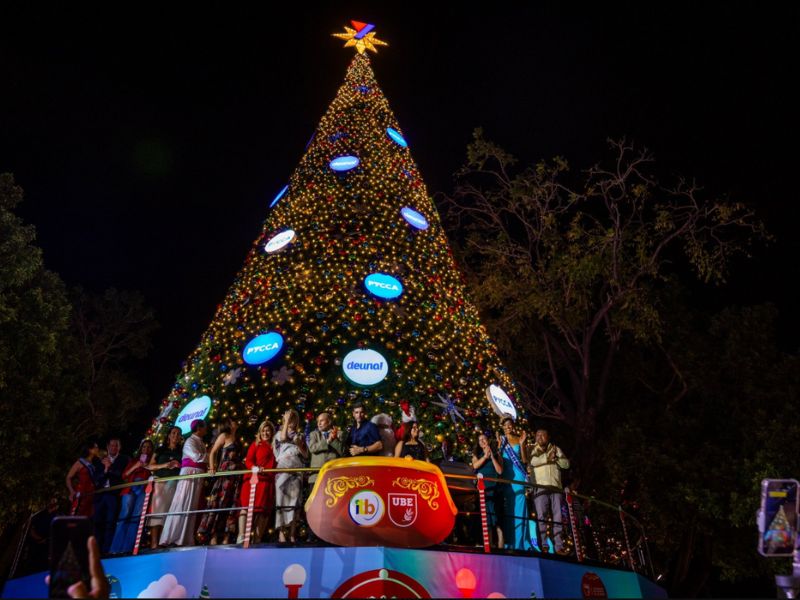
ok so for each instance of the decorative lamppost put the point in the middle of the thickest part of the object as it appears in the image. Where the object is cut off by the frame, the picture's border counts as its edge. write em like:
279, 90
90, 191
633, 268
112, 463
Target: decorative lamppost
466, 582
293, 578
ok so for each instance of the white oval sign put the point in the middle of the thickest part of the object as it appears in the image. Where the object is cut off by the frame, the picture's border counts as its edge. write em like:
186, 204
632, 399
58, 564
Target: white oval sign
279, 241
500, 401
196, 409
365, 367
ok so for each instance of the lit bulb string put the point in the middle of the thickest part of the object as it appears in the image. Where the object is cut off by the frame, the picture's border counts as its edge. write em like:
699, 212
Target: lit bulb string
252, 306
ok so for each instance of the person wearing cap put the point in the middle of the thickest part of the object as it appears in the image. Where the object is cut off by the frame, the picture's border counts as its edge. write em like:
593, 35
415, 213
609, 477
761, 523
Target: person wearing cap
364, 438
179, 529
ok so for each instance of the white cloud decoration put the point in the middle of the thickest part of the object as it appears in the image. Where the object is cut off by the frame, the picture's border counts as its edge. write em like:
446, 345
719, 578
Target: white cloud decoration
166, 587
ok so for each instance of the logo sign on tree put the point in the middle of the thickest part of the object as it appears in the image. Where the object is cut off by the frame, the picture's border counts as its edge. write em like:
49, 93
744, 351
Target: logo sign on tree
500, 401
365, 367
414, 218
383, 286
196, 409
279, 241
262, 348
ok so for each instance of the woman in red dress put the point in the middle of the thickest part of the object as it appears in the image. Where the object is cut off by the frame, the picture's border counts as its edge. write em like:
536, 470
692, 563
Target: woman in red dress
80, 481
260, 454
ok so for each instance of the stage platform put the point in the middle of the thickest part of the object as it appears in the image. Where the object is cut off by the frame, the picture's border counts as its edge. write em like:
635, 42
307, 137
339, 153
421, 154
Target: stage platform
361, 572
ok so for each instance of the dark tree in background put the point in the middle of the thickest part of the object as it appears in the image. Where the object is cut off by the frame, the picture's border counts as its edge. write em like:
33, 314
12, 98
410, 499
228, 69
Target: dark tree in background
109, 331
676, 410
67, 370
34, 324
576, 264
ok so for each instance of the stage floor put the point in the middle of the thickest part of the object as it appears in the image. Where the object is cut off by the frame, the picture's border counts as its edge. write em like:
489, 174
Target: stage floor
260, 571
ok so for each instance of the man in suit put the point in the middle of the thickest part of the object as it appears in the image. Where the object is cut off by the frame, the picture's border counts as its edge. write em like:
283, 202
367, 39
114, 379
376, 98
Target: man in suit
108, 473
325, 443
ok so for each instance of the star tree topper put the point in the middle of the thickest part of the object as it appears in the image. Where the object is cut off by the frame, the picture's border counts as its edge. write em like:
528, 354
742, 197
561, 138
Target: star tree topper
362, 37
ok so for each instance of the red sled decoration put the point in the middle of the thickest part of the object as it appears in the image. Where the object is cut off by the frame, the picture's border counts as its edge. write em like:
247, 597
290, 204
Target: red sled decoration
379, 501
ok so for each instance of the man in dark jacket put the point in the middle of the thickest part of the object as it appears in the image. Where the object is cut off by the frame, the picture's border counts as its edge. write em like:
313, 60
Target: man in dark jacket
108, 472
364, 437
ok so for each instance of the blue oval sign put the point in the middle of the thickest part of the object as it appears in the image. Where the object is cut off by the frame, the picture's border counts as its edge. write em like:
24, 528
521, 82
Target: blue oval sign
280, 195
344, 163
396, 137
262, 348
414, 218
383, 286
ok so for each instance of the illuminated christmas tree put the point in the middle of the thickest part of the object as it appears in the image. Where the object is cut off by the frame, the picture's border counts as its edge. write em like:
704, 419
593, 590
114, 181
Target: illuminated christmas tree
350, 293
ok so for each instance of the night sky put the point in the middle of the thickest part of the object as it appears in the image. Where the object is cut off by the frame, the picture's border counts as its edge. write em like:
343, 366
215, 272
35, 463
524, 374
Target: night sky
150, 143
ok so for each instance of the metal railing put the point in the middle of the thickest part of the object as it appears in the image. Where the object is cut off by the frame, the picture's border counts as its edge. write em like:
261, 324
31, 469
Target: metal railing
591, 530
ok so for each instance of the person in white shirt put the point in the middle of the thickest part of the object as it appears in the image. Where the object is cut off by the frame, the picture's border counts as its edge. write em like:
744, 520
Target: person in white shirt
547, 461
179, 529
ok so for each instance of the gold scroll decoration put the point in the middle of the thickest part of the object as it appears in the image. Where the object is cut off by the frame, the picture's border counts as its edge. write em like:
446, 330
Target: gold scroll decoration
336, 487
428, 490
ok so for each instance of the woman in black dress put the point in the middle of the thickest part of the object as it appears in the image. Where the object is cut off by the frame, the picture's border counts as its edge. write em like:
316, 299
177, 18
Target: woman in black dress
411, 444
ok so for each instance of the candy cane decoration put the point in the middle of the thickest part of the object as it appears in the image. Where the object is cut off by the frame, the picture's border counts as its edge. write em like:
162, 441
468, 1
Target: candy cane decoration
143, 516
574, 526
250, 505
484, 519
627, 541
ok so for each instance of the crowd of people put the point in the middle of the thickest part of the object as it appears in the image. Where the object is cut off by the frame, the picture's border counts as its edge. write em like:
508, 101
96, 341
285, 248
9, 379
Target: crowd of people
278, 497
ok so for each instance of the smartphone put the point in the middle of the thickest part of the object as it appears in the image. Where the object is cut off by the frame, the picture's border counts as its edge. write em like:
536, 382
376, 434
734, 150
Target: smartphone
777, 517
69, 556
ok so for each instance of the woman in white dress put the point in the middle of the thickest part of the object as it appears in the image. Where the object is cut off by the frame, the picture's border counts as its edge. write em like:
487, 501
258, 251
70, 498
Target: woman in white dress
179, 529
290, 453
166, 462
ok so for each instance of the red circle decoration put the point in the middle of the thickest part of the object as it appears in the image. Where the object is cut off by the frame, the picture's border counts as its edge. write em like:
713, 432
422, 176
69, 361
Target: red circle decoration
381, 583
592, 586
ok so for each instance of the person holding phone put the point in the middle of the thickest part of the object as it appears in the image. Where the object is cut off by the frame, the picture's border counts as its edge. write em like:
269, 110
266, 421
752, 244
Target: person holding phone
132, 499
166, 462
179, 529
82, 576
81, 480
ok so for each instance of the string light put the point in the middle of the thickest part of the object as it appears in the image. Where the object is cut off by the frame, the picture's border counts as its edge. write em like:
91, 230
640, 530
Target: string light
311, 293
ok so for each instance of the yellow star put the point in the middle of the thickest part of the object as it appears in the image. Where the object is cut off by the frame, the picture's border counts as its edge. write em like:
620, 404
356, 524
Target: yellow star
363, 43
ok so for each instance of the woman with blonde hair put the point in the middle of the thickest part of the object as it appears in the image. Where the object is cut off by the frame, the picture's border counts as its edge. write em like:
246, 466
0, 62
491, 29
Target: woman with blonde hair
260, 454
290, 453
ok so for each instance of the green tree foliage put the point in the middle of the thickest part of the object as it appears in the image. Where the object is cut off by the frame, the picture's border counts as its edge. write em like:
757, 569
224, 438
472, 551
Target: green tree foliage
576, 265
109, 331
34, 321
694, 465
66, 365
